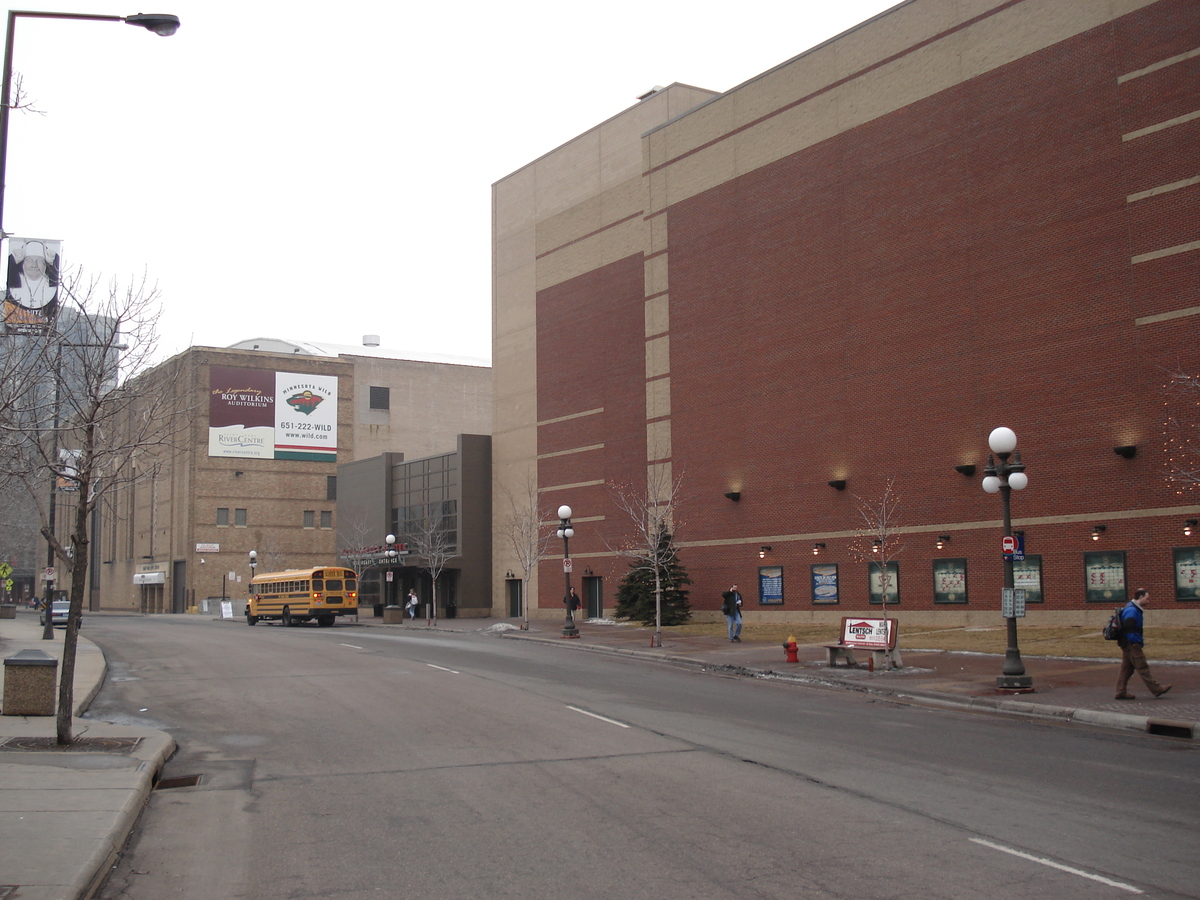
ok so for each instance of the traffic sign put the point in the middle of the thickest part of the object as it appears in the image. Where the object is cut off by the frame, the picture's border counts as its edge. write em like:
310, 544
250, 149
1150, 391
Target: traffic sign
1009, 544
567, 564
49, 574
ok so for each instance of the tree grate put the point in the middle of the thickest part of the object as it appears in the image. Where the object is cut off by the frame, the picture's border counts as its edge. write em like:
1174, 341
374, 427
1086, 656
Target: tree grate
79, 745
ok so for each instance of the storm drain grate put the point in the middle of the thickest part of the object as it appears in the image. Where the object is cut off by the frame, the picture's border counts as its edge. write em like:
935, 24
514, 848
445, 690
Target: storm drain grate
165, 784
1169, 729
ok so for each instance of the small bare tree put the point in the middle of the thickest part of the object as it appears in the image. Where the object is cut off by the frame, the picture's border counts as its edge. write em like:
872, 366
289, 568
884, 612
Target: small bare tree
77, 419
653, 517
432, 542
1181, 431
529, 529
877, 543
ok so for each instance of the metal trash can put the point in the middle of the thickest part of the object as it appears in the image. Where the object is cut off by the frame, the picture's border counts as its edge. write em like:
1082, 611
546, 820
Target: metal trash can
30, 683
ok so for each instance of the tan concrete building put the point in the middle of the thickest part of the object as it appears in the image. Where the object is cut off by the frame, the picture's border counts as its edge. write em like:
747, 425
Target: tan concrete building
250, 471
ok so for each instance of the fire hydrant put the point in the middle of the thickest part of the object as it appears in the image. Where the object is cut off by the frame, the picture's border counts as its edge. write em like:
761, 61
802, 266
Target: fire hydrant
791, 649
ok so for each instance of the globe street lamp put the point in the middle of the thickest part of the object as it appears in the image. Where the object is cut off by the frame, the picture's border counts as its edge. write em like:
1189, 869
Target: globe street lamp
566, 532
1004, 478
391, 555
162, 25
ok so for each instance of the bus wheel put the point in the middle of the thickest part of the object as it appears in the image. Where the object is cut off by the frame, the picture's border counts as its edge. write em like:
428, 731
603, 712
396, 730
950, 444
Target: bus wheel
325, 621
287, 617
251, 620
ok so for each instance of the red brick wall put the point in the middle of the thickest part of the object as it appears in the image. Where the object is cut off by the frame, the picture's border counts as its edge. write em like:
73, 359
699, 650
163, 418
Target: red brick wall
874, 305
591, 355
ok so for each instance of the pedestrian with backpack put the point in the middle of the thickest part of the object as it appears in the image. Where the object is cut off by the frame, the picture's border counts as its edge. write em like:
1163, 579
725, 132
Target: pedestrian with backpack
1131, 642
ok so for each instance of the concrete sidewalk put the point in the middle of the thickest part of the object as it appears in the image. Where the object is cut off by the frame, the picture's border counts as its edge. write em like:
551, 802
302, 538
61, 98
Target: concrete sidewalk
1079, 690
65, 814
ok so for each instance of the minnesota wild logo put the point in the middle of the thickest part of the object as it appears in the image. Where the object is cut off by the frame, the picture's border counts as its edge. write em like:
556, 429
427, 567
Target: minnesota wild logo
305, 402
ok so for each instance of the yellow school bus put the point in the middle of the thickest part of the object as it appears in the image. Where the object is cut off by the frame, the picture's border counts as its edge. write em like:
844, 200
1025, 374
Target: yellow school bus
298, 595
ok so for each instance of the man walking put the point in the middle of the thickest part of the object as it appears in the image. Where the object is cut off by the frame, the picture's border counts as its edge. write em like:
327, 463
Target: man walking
1131, 642
732, 608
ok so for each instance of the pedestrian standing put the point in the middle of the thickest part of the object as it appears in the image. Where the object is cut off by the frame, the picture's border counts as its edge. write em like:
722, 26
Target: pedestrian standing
732, 608
1131, 642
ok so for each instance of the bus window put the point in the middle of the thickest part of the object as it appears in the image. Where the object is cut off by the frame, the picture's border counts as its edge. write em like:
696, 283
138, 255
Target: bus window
333, 584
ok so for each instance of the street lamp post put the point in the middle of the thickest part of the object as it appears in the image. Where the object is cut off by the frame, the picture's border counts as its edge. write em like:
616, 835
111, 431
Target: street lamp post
390, 554
162, 25
566, 532
1004, 478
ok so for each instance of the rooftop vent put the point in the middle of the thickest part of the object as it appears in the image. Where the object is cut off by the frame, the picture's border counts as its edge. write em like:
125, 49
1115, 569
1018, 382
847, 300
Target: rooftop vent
370, 340
650, 93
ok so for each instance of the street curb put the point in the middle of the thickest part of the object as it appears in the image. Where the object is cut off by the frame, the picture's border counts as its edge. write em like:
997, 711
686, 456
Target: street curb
1021, 708
161, 747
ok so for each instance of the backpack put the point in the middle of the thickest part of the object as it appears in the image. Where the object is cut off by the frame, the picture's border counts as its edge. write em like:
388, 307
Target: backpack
1113, 630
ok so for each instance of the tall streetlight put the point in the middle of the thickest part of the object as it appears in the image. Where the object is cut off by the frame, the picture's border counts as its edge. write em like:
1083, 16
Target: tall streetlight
391, 554
162, 25
566, 532
1004, 478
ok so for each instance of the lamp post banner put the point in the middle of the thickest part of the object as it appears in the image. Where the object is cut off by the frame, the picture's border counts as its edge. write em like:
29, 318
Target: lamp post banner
31, 291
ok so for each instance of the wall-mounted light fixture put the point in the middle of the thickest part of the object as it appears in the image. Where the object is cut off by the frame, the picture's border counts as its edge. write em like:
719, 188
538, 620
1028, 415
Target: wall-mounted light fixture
509, 574
588, 572
817, 548
735, 496
967, 469
1098, 530
875, 545
763, 551
943, 540
838, 484
1189, 526
237, 473
1128, 451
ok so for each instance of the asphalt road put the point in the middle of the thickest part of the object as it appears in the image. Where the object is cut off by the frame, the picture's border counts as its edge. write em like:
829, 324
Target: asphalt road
360, 762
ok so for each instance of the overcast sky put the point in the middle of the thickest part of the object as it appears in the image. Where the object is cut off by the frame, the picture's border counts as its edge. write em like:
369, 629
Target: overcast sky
289, 169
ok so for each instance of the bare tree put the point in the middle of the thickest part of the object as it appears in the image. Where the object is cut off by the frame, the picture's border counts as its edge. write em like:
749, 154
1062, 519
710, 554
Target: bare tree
1181, 431
77, 419
529, 528
653, 517
432, 540
877, 542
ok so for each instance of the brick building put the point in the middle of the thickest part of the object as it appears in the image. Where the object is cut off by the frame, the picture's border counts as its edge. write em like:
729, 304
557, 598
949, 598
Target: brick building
237, 480
849, 269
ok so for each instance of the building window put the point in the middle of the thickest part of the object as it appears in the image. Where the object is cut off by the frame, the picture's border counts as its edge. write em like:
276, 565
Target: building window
310, 518
239, 518
223, 516
381, 398
330, 487
327, 518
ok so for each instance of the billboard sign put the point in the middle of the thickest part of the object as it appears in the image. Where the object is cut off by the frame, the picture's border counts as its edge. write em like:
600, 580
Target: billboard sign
261, 414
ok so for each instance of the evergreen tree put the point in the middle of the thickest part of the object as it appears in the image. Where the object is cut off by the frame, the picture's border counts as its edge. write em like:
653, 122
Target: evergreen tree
635, 596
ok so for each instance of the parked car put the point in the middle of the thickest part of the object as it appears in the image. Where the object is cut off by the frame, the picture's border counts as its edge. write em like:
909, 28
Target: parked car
59, 610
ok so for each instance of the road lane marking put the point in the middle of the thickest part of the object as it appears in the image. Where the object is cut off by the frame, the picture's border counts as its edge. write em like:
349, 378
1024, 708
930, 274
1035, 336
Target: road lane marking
1059, 866
594, 716
440, 669
351, 646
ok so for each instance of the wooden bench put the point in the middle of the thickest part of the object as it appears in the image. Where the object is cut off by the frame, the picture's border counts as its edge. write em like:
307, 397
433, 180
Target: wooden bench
883, 655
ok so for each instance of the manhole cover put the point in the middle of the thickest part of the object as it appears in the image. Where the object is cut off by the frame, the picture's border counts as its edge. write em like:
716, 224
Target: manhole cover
79, 745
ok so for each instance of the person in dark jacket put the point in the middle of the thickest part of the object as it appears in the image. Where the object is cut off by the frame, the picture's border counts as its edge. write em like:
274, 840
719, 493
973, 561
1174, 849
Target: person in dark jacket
1131, 642
731, 607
